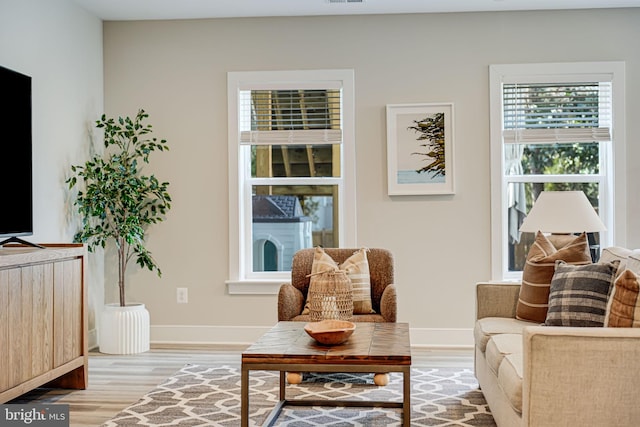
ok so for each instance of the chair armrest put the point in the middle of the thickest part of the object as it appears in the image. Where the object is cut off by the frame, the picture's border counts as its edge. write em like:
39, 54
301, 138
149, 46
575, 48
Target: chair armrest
389, 303
496, 299
290, 302
580, 376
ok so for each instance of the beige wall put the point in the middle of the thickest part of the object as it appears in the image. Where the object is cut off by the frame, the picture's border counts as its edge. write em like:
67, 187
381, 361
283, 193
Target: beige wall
177, 71
60, 46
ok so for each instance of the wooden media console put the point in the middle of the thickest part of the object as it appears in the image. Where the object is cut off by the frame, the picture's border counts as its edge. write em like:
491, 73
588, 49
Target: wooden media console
43, 318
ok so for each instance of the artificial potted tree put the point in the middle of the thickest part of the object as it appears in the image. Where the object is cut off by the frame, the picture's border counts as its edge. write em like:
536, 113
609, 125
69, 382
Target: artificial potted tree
117, 202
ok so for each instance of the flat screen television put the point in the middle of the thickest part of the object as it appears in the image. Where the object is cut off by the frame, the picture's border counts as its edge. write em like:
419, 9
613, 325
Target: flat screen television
16, 192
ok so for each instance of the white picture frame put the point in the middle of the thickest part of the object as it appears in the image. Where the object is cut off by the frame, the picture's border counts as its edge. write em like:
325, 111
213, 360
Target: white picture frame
420, 149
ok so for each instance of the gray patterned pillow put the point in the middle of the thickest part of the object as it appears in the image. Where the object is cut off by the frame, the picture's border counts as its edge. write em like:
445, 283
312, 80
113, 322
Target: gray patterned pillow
578, 295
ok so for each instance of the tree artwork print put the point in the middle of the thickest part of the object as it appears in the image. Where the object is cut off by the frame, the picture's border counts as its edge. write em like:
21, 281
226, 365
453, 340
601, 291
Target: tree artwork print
419, 148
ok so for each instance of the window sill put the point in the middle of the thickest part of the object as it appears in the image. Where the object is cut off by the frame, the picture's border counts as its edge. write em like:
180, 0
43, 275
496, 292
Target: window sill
254, 287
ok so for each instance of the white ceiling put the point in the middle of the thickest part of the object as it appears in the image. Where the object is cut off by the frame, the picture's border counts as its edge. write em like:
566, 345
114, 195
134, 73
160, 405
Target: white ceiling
193, 9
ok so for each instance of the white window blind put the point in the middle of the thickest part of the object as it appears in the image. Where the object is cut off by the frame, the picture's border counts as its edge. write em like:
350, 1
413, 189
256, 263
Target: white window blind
538, 113
290, 117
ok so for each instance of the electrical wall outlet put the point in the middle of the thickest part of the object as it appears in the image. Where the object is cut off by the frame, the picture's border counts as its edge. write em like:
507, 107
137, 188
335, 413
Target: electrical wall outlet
182, 295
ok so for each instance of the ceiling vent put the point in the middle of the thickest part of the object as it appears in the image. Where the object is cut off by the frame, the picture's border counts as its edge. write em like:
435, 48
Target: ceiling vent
345, 1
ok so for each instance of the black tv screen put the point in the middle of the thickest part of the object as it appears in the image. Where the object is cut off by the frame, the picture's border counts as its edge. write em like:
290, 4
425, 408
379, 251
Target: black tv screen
16, 208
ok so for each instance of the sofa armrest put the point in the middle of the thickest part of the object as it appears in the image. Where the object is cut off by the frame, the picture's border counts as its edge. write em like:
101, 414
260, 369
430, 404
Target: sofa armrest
290, 302
580, 376
496, 299
389, 303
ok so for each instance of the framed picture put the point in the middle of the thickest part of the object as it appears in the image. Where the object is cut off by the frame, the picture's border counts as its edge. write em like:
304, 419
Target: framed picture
420, 149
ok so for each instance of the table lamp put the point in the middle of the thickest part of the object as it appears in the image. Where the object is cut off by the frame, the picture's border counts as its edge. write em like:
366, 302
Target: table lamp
562, 213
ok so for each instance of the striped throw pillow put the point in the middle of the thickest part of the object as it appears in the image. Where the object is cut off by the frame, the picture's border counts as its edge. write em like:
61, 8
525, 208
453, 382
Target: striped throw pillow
579, 294
624, 303
538, 271
357, 268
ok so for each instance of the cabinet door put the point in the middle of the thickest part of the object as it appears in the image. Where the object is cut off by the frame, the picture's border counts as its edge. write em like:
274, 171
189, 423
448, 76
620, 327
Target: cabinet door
67, 311
37, 309
25, 323
4, 330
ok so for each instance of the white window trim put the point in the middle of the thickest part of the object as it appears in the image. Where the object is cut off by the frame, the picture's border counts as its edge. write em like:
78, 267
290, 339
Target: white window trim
616, 189
239, 282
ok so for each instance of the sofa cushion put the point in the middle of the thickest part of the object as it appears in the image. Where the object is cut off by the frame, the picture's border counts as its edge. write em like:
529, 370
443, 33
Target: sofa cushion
629, 259
502, 345
489, 326
510, 379
633, 262
579, 294
538, 271
612, 253
624, 303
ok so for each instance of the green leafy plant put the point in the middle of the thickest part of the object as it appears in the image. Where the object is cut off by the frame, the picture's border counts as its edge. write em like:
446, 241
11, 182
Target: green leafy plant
431, 130
116, 201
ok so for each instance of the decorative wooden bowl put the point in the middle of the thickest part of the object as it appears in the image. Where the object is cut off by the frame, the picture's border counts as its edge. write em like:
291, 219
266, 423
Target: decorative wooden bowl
330, 332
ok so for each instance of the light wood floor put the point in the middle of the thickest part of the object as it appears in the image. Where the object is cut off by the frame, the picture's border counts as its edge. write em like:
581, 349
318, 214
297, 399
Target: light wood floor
116, 382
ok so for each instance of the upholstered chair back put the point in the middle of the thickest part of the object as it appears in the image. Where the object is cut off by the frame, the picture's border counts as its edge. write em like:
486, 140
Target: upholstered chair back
380, 269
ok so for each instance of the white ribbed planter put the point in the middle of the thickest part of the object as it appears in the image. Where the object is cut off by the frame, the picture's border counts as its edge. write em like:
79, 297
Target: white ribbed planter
124, 330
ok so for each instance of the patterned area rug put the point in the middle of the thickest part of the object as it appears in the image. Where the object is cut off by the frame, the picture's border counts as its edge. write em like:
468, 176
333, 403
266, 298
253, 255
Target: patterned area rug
210, 396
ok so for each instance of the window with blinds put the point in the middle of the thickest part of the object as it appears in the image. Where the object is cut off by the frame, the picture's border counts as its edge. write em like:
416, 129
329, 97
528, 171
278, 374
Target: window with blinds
293, 137
551, 130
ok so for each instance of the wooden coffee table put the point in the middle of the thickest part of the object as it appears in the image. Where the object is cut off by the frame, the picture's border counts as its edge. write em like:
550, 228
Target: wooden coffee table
373, 348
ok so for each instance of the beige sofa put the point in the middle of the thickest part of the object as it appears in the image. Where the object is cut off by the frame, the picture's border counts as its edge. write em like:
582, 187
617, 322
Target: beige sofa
545, 376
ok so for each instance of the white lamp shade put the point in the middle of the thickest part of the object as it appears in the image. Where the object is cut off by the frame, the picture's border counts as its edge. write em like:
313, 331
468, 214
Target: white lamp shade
562, 212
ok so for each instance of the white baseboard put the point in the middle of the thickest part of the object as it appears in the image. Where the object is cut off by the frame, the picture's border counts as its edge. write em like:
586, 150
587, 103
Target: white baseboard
443, 338
92, 339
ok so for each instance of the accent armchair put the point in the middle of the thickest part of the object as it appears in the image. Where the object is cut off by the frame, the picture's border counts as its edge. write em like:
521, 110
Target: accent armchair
292, 296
